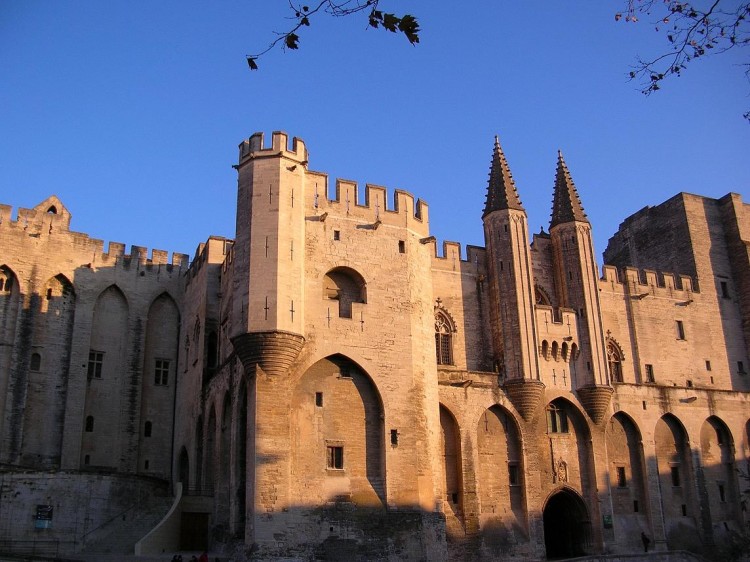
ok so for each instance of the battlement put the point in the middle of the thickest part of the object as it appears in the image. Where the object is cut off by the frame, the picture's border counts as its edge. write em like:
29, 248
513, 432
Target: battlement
50, 214
140, 254
51, 218
452, 253
405, 211
254, 147
643, 282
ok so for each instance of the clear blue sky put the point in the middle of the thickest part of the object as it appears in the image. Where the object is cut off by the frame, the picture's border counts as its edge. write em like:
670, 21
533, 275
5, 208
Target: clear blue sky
131, 111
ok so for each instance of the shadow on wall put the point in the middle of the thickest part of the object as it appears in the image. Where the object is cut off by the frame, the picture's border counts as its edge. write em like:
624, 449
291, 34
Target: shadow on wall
95, 355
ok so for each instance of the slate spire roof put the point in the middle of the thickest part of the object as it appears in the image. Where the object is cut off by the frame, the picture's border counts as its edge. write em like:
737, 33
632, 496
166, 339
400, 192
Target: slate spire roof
566, 204
501, 189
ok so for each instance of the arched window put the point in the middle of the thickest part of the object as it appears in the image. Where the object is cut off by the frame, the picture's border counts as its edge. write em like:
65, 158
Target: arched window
443, 340
6, 280
545, 349
555, 351
147, 429
614, 359
346, 286
540, 296
89, 424
36, 362
557, 419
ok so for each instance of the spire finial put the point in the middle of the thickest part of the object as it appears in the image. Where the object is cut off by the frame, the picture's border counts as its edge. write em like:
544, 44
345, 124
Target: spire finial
566, 205
501, 189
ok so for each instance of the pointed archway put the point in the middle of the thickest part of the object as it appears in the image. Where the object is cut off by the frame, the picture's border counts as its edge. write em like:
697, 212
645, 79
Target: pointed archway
566, 525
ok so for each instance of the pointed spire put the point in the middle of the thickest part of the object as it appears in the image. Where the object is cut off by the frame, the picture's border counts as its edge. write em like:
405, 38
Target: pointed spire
501, 189
566, 205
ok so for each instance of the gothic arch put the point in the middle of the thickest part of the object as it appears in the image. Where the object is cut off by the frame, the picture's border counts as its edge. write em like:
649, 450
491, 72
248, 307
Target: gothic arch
615, 358
566, 445
676, 479
722, 487
8, 281
627, 478
158, 380
337, 430
445, 327
500, 474
567, 524
541, 297
47, 377
452, 472
106, 370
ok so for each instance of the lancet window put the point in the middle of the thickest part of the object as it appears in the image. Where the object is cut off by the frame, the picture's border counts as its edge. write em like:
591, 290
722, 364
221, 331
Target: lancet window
614, 359
443, 339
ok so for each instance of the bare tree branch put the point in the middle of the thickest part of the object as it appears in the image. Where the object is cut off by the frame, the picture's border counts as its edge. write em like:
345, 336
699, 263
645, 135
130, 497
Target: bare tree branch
405, 24
693, 30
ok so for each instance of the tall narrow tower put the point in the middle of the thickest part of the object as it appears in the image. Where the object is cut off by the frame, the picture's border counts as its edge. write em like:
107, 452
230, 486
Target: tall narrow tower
269, 257
511, 287
577, 288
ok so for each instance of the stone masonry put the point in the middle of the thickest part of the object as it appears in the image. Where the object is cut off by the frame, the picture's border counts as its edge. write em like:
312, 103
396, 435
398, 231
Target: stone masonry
329, 385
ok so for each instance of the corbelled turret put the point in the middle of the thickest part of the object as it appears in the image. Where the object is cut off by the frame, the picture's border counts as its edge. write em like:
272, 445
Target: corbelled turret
576, 278
511, 288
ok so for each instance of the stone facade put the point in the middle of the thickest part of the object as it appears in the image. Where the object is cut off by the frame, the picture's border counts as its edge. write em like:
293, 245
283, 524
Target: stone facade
330, 385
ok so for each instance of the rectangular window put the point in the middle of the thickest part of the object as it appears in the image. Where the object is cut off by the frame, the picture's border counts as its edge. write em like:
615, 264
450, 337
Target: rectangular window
724, 289
741, 368
337, 235
161, 372
722, 498
680, 330
96, 360
319, 399
622, 481
649, 373
675, 472
335, 458
557, 420
635, 506
394, 437
684, 510
513, 478
708, 365
401, 247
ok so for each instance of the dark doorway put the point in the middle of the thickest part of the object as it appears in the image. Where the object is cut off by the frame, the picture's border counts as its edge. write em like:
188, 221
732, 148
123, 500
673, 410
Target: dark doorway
566, 526
194, 531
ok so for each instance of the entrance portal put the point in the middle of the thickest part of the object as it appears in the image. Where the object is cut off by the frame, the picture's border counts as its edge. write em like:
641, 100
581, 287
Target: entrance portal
566, 526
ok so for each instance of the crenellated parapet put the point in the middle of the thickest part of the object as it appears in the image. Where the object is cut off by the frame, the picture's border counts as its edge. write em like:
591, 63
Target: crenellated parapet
404, 211
51, 219
640, 283
255, 147
452, 256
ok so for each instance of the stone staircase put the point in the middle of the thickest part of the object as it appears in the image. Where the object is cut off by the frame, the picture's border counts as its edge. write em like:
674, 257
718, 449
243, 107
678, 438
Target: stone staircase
120, 535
